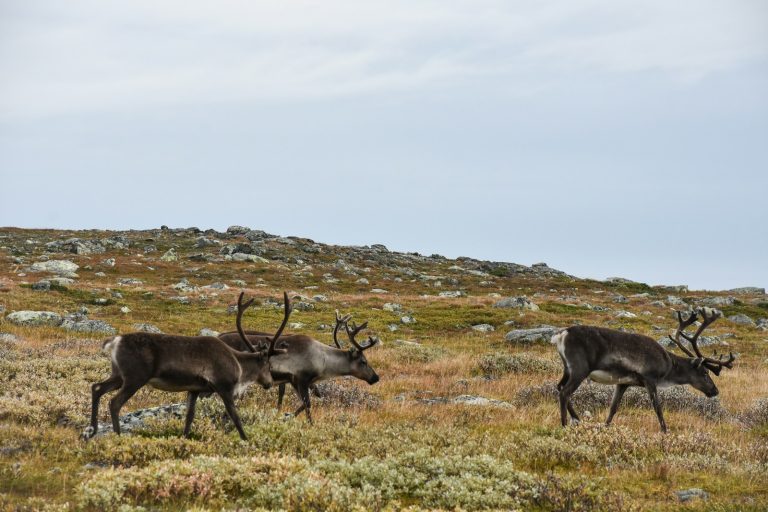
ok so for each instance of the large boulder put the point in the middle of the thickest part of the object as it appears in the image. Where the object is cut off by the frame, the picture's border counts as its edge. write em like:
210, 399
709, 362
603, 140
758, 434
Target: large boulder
35, 318
741, 319
524, 336
517, 302
89, 326
63, 267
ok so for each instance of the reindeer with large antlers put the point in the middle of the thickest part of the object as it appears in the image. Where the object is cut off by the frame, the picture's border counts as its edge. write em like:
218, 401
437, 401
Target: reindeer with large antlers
608, 356
199, 365
307, 361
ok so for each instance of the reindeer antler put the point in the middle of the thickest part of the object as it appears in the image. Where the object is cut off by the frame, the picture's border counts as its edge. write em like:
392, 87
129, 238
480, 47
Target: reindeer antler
339, 322
708, 315
240, 310
288, 309
355, 331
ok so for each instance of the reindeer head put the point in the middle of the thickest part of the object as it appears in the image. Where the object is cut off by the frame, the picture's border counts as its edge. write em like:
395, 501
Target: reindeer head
359, 366
699, 366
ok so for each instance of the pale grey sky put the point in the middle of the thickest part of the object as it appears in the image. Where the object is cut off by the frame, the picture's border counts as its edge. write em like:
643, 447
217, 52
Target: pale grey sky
605, 138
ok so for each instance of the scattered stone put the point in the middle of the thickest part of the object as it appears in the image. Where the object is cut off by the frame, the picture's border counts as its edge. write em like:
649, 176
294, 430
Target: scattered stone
253, 258
362, 280
762, 324
100, 274
35, 318
62, 267
147, 328
183, 286
170, 255
61, 282
181, 299
672, 300
741, 319
691, 495
110, 262
525, 336
620, 299
320, 298
208, 332
303, 306
517, 302
451, 294
8, 337
100, 301
129, 281
202, 241
216, 286
483, 328
116, 294
407, 319
89, 326
137, 419
76, 246
379, 290
237, 230
125, 310
392, 327
748, 290
42, 286
295, 325
239, 283
625, 314
392, 306
716, 301
149, 248
481, 401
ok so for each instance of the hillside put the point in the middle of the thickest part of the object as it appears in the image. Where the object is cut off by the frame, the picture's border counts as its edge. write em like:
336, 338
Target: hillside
465, 414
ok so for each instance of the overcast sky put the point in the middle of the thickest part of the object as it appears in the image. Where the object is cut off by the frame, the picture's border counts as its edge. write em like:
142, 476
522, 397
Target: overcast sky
605, 138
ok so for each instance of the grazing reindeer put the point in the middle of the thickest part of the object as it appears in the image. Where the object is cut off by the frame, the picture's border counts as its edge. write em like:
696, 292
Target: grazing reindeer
195, 364
307, 361
608, 356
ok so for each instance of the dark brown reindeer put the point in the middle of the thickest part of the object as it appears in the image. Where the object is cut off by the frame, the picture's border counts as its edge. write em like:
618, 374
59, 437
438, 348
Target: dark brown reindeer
195, 364
608, 356
307, 361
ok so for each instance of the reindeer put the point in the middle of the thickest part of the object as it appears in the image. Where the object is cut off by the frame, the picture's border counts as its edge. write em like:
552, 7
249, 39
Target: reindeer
195, 364
608, 356
307, 361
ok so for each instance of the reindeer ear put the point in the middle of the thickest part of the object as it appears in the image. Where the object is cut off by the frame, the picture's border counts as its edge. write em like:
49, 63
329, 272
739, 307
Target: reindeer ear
716, 369
279, 351
697, 362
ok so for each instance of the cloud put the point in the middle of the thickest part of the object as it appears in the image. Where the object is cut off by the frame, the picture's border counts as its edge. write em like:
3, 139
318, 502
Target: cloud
88, 56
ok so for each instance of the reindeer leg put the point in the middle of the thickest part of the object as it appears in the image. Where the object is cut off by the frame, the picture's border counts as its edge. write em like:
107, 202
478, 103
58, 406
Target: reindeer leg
191, 400
315, 391
127, 390
617, 395
304, 392
280, 395
656, 405
227, 397
97, 391
573, 383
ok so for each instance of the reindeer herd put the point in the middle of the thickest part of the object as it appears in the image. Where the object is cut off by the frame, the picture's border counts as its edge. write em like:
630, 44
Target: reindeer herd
227, 364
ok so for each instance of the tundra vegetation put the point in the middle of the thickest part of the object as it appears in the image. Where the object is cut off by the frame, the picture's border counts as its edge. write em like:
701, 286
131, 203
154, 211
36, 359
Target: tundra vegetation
461, 418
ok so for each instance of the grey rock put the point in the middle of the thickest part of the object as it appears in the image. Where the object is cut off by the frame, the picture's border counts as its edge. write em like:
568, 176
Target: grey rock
208, 332
35, 318
525, 336
110, 262
129, 281
125, 310
100, 274
254, 258
183, 286
237, 230
170, 255
392, 306
672, 300
319, 298
303, 306
181, 299
407, 319
63, 267
42, 286
762, 324
8, 337
451, 294
620, 299
147, 328
61, 282
483, 328
625, 314
76, 246
517, 302
393, 327
691, 494
149, 248
202, 241
239, 283
137, 419
748, 290
362, 280
716, 301
379, 290
480, 401
256, 235
90, 326
741, 319
216, 286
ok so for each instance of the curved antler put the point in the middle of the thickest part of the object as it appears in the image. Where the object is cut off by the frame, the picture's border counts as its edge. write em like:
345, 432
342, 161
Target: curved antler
339, 322
708, 315
354, 332
682, 325
273, 340
240, 310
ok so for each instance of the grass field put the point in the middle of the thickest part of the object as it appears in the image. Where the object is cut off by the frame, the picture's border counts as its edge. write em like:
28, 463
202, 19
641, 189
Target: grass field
405, 443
